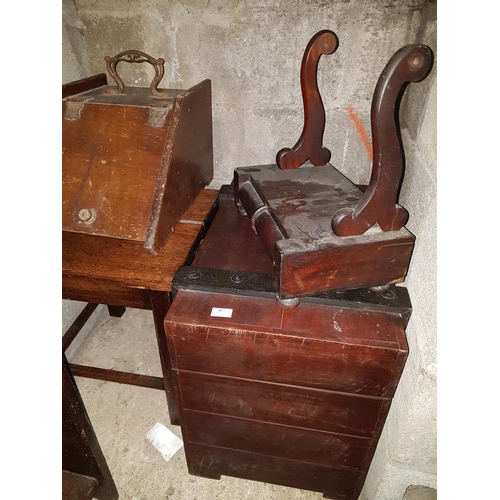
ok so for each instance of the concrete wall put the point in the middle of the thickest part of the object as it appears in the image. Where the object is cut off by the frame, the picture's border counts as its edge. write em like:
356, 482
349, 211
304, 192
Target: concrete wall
252, 50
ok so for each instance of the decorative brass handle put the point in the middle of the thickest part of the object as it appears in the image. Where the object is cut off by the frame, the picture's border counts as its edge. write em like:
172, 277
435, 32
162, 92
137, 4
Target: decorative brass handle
135, 56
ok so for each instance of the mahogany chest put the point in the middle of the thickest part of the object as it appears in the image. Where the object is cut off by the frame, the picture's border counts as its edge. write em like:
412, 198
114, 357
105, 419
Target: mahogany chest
295, 396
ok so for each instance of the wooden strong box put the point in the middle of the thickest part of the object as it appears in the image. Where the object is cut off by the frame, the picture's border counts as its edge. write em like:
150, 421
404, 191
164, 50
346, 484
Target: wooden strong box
289, 396
296, 396
133, 158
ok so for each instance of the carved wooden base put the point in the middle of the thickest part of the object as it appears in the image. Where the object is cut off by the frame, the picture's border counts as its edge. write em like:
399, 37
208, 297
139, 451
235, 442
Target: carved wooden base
291, 211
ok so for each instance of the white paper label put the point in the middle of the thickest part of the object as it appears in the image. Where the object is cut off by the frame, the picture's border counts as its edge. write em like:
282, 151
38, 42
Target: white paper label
164, 440
221, 312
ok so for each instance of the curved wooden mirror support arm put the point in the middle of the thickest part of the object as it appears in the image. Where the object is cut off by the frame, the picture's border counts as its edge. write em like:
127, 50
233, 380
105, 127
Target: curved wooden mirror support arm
309, 146
412, 63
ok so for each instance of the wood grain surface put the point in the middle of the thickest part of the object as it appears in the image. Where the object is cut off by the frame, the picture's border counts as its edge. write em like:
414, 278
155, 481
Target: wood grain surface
93, 259
81, 452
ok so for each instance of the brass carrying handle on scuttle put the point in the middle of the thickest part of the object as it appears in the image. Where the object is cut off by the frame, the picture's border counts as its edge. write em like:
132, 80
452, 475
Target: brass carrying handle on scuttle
135, 56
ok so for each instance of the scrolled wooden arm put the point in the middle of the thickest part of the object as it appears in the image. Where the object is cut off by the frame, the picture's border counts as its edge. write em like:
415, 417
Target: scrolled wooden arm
412, 63
310, 144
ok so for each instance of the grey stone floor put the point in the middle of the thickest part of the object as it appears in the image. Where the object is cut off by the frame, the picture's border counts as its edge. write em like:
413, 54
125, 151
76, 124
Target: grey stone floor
420, 493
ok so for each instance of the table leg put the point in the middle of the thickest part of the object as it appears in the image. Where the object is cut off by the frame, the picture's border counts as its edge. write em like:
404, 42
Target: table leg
116, 311
160, 302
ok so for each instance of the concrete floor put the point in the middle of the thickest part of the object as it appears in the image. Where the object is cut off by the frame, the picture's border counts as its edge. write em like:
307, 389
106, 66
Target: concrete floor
122, 415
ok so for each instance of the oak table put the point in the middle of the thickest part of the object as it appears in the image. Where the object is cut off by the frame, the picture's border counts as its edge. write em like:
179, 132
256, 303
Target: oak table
101, 270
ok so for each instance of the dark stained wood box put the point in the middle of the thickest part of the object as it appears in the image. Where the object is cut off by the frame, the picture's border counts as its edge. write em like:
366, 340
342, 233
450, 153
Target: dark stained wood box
296, 396
133, 158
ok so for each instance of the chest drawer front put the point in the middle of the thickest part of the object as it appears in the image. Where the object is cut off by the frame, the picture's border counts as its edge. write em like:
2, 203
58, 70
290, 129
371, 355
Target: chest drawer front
293, 443
281, 404
285, 359
341, 484
321, 347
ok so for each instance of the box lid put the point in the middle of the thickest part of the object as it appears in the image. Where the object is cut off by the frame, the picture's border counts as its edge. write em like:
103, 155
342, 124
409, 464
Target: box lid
113, 148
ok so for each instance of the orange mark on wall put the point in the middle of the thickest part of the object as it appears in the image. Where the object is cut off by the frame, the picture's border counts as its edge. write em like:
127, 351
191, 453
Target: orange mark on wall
361, 131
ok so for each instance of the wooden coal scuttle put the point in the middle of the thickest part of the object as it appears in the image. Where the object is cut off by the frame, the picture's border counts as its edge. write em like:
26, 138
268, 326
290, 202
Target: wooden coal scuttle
134, 158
